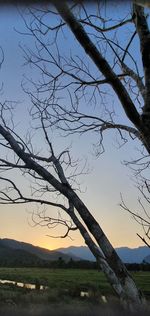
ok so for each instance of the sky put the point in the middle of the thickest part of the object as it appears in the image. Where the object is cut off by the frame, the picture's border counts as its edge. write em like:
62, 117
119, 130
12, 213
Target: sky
101, 187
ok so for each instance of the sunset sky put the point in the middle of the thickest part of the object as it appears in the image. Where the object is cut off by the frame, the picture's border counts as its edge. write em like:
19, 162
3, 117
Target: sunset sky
101, 187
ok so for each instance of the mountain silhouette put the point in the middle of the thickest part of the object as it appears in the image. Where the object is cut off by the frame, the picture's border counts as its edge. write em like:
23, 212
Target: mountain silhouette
13, 251
127, 255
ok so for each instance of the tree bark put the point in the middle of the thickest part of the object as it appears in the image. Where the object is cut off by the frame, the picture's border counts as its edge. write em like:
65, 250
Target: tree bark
101, 260
144, 37
131, 293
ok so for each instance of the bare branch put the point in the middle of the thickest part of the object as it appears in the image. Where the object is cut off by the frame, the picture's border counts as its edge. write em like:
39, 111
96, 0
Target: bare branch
106, 29
7, 199
100, 62
143, 239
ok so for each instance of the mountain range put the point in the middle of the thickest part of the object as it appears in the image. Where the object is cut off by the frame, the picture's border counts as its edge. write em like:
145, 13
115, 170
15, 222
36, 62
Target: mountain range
16, 251
127, 255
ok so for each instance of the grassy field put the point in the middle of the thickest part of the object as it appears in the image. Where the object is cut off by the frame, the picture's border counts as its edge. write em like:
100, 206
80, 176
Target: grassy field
63, 293
70, 278
58, 278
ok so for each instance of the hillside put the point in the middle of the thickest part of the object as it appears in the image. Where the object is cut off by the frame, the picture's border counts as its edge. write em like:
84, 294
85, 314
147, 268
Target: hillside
147, 259
29, 249
18, 257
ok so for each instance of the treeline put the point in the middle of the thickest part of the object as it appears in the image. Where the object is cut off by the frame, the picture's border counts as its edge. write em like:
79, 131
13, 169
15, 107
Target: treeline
138, 266
62, 264
40, 263
85, 264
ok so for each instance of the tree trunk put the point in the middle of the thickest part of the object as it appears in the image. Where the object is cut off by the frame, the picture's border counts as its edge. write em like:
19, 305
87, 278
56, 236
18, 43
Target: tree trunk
101, 260
131, 293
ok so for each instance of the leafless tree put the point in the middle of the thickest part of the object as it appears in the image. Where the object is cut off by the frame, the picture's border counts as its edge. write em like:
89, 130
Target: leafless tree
88, 76
102, 60
51, 187
49, 179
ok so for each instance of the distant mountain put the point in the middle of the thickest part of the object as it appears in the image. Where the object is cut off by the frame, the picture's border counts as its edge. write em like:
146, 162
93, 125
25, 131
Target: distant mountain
41, 253
127, 255
135, 255
17, 250
83, 252
147, 259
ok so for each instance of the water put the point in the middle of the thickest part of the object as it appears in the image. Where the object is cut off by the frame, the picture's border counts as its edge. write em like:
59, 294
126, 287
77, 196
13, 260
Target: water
43, 287
25, 285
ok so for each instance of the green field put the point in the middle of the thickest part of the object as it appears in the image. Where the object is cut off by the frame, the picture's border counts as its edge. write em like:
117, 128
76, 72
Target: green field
63, 294
57, 278
70, 279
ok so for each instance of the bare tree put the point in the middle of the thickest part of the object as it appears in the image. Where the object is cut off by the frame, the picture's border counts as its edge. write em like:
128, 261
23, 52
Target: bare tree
85, 76
98, 37
135, 82
132, 86
48, 178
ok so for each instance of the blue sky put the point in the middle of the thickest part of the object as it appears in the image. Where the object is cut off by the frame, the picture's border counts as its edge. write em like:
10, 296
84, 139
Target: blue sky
101, 187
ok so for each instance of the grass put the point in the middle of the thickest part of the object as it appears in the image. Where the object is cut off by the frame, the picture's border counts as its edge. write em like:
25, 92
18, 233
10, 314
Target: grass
58, 278
68, 278
63, 292
142, 279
